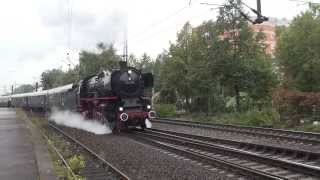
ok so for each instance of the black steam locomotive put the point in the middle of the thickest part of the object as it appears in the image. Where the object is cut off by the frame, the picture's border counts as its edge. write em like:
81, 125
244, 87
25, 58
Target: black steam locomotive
119, 98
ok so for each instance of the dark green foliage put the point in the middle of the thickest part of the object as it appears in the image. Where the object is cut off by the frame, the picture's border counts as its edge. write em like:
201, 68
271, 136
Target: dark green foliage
298, 51
215, 60
168, 96
309, 127
51, 78
92, 62
266, 118
25, 88
165, 110
56, 77
296, 105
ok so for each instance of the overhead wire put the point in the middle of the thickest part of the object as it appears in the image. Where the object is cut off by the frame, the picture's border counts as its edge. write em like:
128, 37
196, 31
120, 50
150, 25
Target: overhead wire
305, 2
69, 31
158, 34
69, 23
138, 36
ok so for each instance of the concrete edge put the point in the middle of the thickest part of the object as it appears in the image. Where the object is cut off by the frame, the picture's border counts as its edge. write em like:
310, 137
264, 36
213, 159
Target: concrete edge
44, 162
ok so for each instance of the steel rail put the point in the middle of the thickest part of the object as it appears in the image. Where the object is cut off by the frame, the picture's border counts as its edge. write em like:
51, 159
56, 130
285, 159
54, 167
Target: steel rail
304, 137
307, 155
233, 167
197, 144
113, 168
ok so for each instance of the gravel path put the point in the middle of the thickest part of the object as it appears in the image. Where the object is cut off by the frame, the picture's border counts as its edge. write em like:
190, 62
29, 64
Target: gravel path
235, 136
141, 161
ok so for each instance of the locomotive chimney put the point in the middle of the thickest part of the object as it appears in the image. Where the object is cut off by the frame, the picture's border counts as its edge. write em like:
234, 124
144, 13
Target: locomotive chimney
123, 65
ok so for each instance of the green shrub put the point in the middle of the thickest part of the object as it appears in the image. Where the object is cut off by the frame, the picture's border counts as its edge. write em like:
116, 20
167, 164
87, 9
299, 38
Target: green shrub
165, 110
309, 127
266, 117
76, 163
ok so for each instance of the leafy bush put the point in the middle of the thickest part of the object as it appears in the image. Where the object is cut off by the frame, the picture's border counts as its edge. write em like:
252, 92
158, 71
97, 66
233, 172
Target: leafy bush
267, 118
296, 104
309, 127
165, 110
76, 163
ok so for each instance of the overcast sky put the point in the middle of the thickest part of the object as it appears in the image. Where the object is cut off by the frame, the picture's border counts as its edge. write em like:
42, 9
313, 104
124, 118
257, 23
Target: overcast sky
35, 35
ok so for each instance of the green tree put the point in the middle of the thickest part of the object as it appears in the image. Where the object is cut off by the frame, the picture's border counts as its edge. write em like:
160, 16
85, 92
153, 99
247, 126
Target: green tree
245, 65
51, 78
25, 88
71, 76
160, 60
175, 73
94, 62
133, 60
215, 60
144, 63
298, 51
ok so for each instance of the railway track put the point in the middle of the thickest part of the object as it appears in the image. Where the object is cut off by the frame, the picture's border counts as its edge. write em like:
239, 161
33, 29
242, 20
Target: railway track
245, 163
307, 138
299, 156
96, 168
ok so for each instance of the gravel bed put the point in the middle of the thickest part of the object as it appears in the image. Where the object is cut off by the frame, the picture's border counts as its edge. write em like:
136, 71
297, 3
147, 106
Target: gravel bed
142, 161
236, 136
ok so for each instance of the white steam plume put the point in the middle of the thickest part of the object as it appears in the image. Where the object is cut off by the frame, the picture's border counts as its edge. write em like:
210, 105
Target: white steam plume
75, 120
148, 123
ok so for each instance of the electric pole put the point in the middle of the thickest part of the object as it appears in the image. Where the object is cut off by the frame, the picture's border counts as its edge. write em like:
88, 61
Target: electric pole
260, 18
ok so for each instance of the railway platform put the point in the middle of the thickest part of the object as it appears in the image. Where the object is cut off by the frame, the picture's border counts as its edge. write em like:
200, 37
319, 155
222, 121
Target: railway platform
23, 154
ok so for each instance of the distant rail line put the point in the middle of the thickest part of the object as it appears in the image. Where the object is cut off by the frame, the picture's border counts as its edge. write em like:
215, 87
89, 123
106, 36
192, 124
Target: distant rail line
243, 162
287, 135
92, 171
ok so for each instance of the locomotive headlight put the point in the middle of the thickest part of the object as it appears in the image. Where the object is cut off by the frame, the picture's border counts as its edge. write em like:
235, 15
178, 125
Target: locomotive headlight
120, 108
148, 106
129, 71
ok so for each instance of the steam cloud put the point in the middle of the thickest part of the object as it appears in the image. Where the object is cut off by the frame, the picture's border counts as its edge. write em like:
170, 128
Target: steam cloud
75, 120
148, 123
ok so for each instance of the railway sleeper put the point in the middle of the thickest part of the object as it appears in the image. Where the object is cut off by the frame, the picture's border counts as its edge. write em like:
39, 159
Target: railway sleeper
313, 171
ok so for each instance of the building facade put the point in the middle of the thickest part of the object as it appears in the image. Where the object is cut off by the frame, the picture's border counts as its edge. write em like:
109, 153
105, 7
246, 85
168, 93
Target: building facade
269, 29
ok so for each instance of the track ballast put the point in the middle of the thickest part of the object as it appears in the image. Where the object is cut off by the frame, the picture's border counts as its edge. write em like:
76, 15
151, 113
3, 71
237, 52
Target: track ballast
246, 163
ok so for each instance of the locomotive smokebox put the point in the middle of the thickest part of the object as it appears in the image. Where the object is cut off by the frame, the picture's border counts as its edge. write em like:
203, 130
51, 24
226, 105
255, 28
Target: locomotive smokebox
126, 82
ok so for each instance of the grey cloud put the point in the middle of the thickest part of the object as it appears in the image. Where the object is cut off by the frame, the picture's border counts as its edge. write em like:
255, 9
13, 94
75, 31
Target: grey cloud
107, 29
87, 29
53, 19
